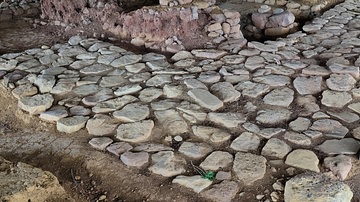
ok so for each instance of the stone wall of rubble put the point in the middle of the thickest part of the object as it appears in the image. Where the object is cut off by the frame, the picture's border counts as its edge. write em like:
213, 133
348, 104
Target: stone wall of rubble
10, 9
170, 26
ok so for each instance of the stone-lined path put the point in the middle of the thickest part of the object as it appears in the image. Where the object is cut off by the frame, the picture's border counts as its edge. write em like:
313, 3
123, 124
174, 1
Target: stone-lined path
236, 114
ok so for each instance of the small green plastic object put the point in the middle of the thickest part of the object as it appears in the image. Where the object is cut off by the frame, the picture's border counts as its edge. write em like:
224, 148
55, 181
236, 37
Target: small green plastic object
210, 175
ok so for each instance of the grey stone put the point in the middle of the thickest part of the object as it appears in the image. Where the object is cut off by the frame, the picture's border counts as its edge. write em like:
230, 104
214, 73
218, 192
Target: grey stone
348, 117
339, 165
209, 77
36, 104
101, 125
126, 60
273, 80
252, 90
205, 99
132, 113
330, 128
113, 104
225, 91
217, 160
270, 132
195, 150
135, 132
249, 167
316, 187
208, 53
85, 90
135, 68
172, 121
54, 114
275, 148
304, 159
152, 147
300, 124
340, 82
165, 163
127, 89
197, 183
71, 124
342, 146
273, 116
100, 143
246, 142
215, 135
280, 97
26, 90
119, 148
228, 120
79, 111
135, 159
335, 98
194, 83
150, 94
173, 91
163, 105
225, 191
297, 138
45, 83
158, 80
308, 85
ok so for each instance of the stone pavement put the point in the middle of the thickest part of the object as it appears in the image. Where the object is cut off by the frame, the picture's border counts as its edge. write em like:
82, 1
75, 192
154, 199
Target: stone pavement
236, 114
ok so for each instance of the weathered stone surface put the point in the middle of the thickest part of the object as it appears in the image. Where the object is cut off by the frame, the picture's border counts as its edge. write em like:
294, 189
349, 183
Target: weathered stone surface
135, 132
246, 142
335, 98
205, 99
225, 91
217, 160
224, 191
300, 124
316, 187
308, 85
152, 147
251, 89
132, 113
273, 80
150, 94
249, 167
118, 148
172, 121
343, 146
36, 104
273, 116
348, 117
275, 148
113, 104
126, 60
54, 114
197, 183
229, 120
135, 159
23, 182
330, 128
297, 138
208, 53
165, 163
26, 90
339, 165
304, 159
195, 150
101, 125
215, 135
279, 97
71, 124
100, 143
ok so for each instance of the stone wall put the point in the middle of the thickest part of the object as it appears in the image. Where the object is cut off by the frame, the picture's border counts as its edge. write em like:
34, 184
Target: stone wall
10, 9
170, 26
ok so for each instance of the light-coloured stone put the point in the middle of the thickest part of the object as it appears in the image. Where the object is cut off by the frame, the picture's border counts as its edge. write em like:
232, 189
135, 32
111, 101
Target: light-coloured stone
316, 187
217, 160
224, 191
135, 159
197, 183
165, 163
71, 124
132, 113
208, 53
304, 159
119, 148
340, 82
249, 167
273, 116
280, 97
100, 143
205, 99
135, 132
101, 125
342, 146
308, 85
275, 148
246, 142
228, 120
335, 98
195, 150
297, 138
172, 121
330, 128
225, 91
36, 104
339, 165
300, 124
215, 135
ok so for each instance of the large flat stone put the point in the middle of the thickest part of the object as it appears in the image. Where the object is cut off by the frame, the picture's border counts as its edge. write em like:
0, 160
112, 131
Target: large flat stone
205, 99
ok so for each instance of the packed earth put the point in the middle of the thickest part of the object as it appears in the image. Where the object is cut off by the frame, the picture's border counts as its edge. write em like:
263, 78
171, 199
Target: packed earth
237, 120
